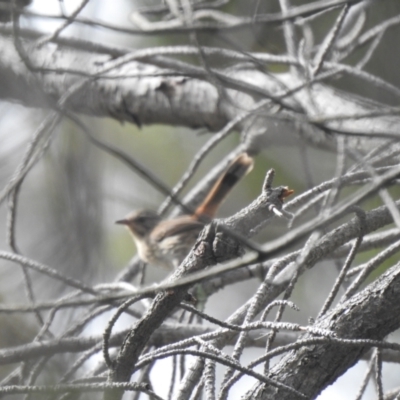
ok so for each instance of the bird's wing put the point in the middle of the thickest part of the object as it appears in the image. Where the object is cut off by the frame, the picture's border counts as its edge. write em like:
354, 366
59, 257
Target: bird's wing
175, 227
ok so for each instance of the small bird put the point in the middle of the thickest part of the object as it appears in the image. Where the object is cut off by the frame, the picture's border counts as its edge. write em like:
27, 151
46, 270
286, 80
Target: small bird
167, 242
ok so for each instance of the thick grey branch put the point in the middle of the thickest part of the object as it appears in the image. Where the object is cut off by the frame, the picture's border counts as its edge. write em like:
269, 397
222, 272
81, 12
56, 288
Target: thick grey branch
370, 314
176, 93
326, 245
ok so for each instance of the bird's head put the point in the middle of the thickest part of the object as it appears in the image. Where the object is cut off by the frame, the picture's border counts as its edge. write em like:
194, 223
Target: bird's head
140, 222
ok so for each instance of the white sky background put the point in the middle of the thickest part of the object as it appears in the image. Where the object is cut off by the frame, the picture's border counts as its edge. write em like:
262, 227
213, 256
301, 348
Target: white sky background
15, 118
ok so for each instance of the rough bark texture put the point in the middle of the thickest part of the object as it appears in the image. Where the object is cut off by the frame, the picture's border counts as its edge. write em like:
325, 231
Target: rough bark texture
136, 91
370, 314
142, 97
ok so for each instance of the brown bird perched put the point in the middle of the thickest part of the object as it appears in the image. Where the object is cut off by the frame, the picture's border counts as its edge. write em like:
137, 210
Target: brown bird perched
167, 242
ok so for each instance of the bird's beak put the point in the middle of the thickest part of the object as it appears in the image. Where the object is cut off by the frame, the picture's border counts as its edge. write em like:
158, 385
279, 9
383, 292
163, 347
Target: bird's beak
122, 222
286, 192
